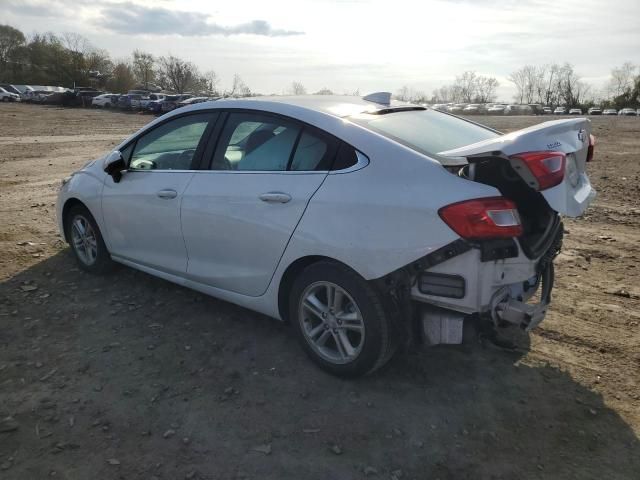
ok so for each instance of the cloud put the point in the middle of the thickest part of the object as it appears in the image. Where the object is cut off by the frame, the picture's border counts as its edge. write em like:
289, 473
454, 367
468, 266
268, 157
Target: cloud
129, 18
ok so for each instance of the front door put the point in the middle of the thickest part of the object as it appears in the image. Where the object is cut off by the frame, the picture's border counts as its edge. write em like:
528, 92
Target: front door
142, 211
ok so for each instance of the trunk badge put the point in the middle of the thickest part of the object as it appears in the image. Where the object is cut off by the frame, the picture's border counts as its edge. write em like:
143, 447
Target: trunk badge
582, 135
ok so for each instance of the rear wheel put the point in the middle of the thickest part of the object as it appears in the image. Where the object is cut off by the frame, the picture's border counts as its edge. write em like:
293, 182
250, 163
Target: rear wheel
339, 320
86, 241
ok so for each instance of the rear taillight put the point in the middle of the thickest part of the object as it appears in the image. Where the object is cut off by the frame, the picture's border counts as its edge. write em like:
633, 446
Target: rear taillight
592, 146
547, 168
482, 218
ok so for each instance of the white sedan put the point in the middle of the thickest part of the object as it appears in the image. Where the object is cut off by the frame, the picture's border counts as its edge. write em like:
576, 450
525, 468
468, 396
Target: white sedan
355, 219
6, 96
106, 100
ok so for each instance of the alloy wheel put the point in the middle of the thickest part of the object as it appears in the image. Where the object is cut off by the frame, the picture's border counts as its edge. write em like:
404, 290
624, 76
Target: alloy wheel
331, 322
84, 240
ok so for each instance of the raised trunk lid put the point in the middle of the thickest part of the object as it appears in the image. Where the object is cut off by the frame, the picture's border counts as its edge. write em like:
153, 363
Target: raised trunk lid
571, 136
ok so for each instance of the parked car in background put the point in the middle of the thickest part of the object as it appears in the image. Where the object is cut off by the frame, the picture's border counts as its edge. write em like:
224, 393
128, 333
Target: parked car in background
126, 101
106, 100
536, 108
594, 111
6, 96
473, 109
518, 110
547, 111
560, 111
80, 97
171, 102
627, 112
38, 96
457, 108
143, 93
441, 107
155, 106
496, 109
244, 230
575, 111
194, 100
143, 102
610, 111
10, 88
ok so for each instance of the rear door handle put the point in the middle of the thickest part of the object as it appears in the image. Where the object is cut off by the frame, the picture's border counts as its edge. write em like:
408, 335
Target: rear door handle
168, 193
275, 197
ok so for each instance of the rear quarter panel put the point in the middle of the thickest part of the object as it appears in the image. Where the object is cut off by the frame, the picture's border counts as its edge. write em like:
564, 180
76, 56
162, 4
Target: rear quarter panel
384, 216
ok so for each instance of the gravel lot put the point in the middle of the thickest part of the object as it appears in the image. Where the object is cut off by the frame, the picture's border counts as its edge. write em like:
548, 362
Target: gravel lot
130, 377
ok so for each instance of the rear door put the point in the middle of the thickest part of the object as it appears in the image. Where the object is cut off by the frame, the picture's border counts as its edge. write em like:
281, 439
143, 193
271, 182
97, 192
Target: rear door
239, 214
571, 137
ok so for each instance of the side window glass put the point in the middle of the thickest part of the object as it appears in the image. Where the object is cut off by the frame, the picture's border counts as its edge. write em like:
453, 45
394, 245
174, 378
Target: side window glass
345, 158
170, 146
312, 153
126, 152
255, 142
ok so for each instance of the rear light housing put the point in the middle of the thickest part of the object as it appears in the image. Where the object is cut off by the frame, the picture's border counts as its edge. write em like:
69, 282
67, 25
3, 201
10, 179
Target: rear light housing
547, 168
483, 218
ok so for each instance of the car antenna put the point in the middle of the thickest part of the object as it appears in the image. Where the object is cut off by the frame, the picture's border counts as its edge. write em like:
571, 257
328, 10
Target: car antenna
383, 98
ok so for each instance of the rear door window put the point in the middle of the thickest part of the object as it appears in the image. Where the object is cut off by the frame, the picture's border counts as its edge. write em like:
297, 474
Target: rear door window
255, 142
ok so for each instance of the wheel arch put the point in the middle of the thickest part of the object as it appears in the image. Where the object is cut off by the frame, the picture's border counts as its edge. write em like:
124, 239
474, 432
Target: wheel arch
292, 272
68, 205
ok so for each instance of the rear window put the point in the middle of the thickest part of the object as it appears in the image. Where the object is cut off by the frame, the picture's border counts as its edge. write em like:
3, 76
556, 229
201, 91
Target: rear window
426, 131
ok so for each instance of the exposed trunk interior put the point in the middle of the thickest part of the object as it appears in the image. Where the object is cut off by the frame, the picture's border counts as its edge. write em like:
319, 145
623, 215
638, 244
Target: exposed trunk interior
538, 219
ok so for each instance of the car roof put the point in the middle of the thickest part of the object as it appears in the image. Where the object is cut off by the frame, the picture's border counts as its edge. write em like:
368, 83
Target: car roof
335, 105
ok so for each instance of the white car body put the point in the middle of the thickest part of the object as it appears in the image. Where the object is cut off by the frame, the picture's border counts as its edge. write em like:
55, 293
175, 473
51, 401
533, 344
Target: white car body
106, 100
376, 217
6, 96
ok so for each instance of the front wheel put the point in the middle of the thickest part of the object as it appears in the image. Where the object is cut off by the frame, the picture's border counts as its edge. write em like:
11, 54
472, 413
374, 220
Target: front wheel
86, 241
340, 320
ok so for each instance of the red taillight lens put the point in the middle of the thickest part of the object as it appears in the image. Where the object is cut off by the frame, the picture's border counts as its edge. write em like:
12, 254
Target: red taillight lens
546, 167
492, 217
592, 146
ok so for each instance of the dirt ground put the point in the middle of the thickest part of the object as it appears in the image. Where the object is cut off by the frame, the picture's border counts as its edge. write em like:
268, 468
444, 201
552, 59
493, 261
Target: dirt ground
130, 377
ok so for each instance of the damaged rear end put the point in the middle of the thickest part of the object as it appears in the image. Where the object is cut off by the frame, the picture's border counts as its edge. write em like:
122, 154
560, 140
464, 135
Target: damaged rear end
501, 268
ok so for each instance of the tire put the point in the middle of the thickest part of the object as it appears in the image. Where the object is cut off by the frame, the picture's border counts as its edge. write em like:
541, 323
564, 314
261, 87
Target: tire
369, 347
91, 253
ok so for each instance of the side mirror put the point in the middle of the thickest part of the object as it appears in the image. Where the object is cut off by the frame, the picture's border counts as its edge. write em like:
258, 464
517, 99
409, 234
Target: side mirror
114, 165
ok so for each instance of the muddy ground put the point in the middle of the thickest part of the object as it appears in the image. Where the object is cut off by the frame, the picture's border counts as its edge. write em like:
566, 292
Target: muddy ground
130, 377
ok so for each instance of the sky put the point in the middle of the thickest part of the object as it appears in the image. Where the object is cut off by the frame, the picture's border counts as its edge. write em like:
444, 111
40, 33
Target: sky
348, 45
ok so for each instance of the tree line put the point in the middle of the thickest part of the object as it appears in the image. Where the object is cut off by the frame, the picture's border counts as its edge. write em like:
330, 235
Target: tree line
70, 60
556, 84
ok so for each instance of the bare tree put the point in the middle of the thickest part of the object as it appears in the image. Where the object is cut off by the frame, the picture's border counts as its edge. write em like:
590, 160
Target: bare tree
176, 74
143, 67
297, 88
403, 94
122, 78
621, 79
485, 89
467, 83
239, 88
75, 42
211, 82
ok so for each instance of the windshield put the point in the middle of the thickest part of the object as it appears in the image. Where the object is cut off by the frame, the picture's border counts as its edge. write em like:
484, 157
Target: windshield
426, 131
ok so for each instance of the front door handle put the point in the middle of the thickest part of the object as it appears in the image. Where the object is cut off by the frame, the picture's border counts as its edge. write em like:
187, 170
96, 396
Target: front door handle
168, 193
275, 197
